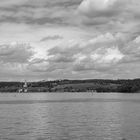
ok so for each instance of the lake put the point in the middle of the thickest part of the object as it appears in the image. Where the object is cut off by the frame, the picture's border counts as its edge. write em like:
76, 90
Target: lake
69, 116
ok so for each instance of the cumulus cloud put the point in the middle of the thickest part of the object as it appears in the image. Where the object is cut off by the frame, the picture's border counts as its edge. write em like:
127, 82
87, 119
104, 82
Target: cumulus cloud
131, 52
14, 58
111, 15
105, 53
96, 53
105, 32
15, 53
99, 59
94, 8
101, 53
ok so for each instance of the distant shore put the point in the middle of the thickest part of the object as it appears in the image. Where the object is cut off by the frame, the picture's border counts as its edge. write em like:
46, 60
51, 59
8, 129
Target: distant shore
88, 85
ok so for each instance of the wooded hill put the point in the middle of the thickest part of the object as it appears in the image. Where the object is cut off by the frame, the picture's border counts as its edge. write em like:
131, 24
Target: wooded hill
89, 85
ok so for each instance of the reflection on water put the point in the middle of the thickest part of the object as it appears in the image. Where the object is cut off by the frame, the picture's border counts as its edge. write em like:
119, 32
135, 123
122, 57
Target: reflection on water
69, 116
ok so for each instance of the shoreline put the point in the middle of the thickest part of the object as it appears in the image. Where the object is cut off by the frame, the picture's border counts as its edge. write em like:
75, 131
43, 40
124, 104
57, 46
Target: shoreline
89, 85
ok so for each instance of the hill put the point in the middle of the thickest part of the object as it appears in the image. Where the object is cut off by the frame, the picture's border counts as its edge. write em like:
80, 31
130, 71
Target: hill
88, 85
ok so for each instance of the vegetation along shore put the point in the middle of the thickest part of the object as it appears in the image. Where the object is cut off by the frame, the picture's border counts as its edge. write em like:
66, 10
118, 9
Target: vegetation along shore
89, 85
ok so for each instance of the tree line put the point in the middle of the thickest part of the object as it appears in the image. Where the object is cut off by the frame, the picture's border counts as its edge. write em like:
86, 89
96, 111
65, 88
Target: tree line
87, 85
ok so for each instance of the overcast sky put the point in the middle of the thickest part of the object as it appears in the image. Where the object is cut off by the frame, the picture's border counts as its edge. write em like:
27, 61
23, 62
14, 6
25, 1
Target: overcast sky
71, 39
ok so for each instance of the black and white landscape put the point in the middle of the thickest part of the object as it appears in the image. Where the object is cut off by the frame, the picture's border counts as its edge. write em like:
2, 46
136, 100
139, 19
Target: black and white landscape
69, 69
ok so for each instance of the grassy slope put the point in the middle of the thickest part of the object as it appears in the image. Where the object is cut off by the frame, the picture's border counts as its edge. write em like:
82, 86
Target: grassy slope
86, 86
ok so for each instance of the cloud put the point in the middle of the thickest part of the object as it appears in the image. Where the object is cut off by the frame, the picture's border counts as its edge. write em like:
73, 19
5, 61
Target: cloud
55, 37
39, 3
37, 12
104, 55
14, 58
38, 65
99, 60
15, 53
101, 53
111, 15
63, 54
96, 8
104, 37
97, 53
7, 3
131, 51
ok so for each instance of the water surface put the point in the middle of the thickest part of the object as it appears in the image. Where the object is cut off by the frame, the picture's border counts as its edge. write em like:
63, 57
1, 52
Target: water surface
69, 116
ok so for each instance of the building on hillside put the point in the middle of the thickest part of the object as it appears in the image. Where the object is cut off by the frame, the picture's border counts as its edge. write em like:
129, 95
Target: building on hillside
24, 89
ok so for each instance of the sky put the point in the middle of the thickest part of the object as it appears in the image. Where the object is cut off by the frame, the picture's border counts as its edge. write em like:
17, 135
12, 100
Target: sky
69, 39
